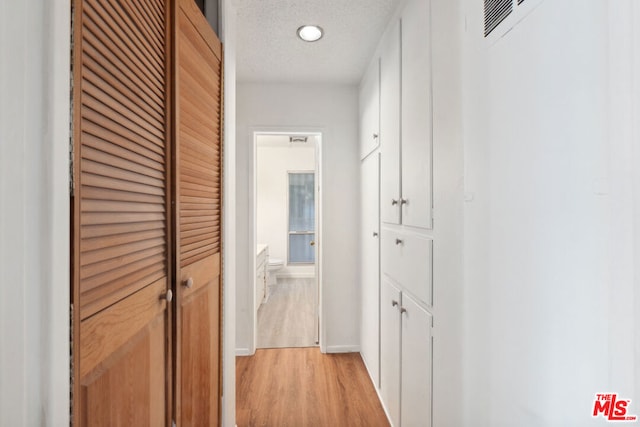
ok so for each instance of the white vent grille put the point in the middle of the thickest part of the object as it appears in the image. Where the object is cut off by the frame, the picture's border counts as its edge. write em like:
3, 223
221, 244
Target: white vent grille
495, 11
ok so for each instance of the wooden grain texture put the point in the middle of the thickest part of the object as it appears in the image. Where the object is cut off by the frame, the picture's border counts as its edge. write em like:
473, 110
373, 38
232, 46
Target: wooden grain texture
121, 229
199, 155
303, 387
104, 334
122, 191
128, 387
197, 162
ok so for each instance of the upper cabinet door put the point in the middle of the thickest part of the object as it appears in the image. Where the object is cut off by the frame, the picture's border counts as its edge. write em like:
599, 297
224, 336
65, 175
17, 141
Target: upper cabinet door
416, 110
370, 109
390, 125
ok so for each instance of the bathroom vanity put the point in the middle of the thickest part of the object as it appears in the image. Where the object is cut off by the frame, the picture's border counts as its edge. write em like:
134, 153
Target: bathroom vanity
262, 261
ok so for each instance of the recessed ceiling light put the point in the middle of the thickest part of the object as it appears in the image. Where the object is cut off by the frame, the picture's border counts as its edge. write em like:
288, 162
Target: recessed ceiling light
310, 33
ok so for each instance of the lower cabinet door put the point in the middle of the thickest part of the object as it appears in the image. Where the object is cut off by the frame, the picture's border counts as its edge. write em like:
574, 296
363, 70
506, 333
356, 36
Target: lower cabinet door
390, 350
417, 364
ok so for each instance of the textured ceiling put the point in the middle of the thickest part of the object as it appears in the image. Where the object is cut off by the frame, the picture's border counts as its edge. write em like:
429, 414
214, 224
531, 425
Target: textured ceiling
269, 50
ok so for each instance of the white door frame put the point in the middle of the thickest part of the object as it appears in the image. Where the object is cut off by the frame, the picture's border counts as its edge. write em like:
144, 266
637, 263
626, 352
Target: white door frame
290, 131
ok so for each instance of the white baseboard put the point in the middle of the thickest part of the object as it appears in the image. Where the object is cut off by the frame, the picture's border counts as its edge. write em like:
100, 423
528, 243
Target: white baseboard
343, 349
243, 352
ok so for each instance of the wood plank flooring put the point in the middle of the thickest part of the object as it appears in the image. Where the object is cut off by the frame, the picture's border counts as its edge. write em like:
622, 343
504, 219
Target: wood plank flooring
288, 318
300, 387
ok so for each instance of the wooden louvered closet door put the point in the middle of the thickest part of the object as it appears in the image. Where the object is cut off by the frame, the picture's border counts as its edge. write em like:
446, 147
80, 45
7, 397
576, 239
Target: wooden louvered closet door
121, 264
198, 115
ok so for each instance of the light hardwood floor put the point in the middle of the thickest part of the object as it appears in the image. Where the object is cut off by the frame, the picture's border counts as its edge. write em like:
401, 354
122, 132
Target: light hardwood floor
301, 387
288, 318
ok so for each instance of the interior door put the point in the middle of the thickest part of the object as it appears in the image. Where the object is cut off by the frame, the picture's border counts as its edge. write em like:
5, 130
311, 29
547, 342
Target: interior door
198, 202
120, 224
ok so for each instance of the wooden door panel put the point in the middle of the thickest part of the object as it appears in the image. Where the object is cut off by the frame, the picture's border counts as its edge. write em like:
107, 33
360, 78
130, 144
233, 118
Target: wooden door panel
121, 266
198, 219
200, 343
123, 376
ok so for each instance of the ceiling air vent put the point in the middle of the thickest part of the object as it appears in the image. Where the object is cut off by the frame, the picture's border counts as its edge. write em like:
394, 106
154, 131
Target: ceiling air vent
495, 11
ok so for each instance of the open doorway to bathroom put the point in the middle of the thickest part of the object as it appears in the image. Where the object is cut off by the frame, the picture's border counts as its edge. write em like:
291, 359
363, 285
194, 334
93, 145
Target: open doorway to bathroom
287, 236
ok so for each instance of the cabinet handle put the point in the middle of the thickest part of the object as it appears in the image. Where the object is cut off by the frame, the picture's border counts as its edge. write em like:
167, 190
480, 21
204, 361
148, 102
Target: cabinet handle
404, 201
168, 296
398, 242
375, 234
375, 136
394, 202
188, 283
394, 303
403, 310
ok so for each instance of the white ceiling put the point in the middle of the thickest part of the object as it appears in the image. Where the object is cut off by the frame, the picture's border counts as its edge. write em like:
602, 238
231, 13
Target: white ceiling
269, 50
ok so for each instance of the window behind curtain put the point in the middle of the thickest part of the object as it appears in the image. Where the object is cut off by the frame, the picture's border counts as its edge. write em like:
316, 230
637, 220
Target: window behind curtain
302, 217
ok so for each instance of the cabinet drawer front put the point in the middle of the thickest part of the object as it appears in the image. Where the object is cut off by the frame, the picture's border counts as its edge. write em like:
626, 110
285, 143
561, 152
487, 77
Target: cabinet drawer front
407, 259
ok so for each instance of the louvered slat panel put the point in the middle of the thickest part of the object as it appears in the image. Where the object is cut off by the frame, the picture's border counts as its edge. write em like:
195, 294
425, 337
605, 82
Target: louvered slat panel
113, 66
118, 151
495, 11
93, 301
120, 229
115, 264
199, 150
127, 54
122, 151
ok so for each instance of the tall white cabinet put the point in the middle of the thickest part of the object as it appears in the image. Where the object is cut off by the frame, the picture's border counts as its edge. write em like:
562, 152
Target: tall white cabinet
404, 300
370, 265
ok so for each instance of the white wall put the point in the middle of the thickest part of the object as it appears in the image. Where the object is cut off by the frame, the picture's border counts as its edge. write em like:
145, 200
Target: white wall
448, 187
34, 213
332, 110
274, 163
550, 239
228, 38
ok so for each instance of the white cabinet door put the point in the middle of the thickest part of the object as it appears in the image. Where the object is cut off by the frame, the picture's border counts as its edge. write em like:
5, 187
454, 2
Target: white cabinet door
370, 109
417, 363
416, 128
370, 265
406, 257
390, 124
390, 350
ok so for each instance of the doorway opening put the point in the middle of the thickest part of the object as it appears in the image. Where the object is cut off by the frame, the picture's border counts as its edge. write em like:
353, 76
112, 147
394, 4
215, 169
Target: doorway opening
286, 235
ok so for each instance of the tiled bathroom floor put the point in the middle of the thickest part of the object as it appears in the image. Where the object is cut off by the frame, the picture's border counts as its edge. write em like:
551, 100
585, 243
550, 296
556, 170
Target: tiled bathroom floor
288, 318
